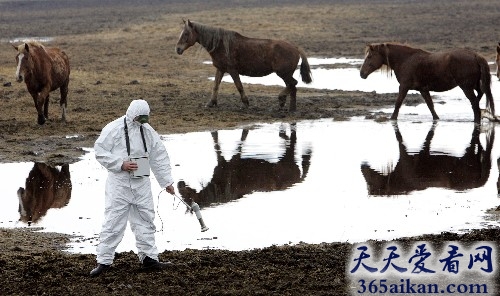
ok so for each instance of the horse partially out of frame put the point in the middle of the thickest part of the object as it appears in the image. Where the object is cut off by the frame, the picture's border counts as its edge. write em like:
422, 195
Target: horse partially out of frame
497, 60
239, 55
43, 69
420, 70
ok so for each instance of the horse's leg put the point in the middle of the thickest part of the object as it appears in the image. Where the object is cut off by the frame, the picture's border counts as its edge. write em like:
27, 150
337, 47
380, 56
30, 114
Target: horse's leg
46, 106
239, 86
293, 99
399, 101
244, 134
215, 138
291, 90
63, 103
215, 91
282, 96
43, 100
426, 147
430, 104
39, 107
474, 101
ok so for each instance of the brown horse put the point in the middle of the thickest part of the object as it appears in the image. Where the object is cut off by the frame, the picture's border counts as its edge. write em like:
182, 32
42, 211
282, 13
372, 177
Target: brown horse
240, 55
416, 69
497, 60
414, 172
43, 69
234, 178
46, 187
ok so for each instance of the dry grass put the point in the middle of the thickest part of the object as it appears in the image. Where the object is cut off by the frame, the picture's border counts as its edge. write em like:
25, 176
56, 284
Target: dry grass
120, 50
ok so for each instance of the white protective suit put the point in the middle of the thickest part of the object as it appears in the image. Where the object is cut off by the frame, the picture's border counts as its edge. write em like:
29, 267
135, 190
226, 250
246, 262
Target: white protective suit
128, 198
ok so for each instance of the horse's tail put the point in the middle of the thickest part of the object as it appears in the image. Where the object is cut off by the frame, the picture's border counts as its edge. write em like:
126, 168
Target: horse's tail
485, 81
305, 70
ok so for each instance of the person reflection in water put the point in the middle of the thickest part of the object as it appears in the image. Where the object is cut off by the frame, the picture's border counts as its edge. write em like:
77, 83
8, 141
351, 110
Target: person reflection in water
46, 187
424, 170
239, 176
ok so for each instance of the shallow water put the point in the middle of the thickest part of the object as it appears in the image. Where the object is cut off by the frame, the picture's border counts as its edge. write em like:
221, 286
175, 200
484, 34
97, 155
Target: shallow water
329, 201
26, 39
347, 79
313, 181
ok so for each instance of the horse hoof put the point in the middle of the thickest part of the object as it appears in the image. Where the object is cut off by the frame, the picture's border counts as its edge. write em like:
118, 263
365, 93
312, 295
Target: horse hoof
41, 120
211, 104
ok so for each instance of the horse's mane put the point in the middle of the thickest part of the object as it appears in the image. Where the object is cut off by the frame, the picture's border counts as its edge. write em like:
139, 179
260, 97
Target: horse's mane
34, 43
386, 68
210, 37
384, 48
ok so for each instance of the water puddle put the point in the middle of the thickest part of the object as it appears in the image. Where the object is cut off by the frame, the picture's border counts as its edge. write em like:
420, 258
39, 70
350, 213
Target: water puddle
274, 184
327, 74
18, 40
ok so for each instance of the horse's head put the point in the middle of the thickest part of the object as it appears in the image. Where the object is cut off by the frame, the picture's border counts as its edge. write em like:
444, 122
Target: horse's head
374, 59
22, 61
187, 38
24, 213
188, 194
498, 60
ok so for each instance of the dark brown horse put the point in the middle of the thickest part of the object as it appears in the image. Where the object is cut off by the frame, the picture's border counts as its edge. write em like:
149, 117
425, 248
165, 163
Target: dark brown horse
43, 69
424, 170
239, 55
46, 187
497, 60
420, 70
233, 179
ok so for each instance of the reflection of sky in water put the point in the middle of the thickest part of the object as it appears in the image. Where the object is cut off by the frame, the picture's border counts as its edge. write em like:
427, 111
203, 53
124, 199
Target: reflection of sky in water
452, 103
324, 78
331, 204
25, 39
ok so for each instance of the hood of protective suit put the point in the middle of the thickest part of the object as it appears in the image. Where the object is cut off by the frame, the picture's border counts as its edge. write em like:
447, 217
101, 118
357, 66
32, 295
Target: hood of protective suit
136, 108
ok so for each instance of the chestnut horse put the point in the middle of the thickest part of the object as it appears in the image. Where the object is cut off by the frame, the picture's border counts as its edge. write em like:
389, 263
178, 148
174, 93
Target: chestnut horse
420, 70
240, 55
43, 69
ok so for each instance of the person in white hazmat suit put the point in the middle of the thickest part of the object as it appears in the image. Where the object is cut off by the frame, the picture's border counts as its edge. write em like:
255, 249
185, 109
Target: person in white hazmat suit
127, 197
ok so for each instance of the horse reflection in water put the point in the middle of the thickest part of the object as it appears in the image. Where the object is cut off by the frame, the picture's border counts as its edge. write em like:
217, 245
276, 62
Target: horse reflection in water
424, 170
239, 176
46, 187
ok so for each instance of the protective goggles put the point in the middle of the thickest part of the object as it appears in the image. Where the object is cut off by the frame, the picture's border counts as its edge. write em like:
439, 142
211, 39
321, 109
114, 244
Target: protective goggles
142, 119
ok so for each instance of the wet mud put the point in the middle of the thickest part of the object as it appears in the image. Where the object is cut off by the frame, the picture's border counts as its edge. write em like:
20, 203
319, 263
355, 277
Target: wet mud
120, 51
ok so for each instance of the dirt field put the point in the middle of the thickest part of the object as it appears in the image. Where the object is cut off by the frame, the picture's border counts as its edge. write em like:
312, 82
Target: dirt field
122, 50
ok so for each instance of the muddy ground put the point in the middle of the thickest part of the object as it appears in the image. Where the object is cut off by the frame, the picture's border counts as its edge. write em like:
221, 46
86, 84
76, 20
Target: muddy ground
123, 50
